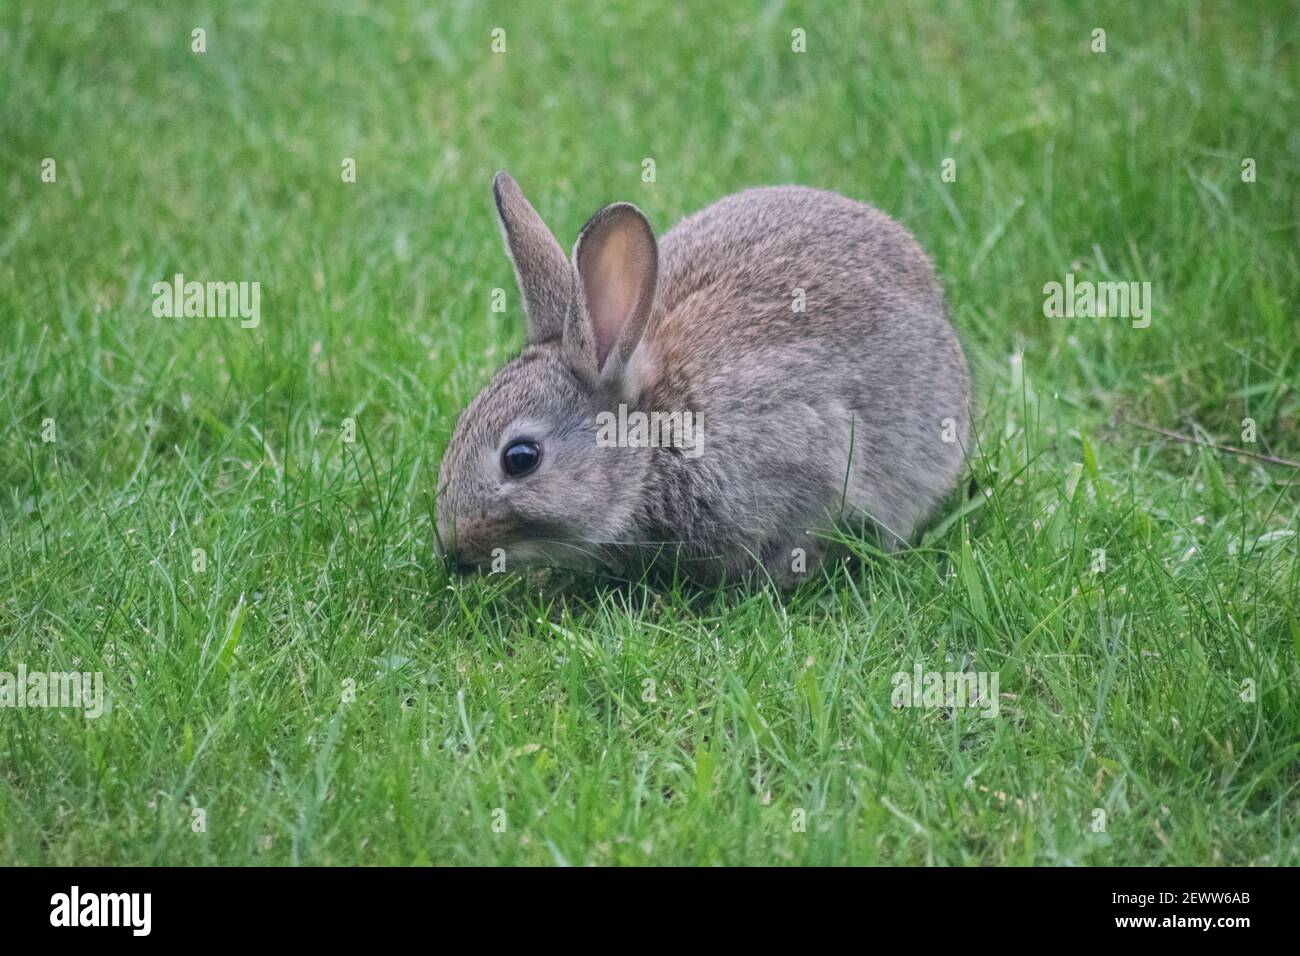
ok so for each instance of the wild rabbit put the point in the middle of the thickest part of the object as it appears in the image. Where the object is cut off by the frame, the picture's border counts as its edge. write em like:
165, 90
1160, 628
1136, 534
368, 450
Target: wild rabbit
803, 336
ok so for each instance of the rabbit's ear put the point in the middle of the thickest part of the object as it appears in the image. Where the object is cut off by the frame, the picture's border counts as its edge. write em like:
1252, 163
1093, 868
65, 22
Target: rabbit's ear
544, 275
617, 261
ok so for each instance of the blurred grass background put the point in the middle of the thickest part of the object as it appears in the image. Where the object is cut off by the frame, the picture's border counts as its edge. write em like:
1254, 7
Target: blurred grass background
175, 434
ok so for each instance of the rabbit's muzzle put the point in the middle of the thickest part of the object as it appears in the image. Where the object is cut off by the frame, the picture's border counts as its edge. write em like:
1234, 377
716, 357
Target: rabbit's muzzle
468, 543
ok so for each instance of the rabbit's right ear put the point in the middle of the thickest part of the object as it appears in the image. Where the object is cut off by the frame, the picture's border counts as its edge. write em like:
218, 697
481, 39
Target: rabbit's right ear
544, 275
616, 259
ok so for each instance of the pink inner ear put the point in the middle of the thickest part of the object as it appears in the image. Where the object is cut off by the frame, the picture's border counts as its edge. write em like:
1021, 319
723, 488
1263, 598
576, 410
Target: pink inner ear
613, 273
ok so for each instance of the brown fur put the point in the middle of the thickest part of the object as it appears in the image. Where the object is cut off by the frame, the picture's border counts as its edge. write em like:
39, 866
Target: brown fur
829, 416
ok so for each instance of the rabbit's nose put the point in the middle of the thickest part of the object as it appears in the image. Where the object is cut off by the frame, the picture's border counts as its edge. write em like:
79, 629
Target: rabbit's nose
448, 548
463, 544
455, 557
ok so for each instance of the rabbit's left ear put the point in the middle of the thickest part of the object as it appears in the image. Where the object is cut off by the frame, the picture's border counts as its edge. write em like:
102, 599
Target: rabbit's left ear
545, 277
617, 261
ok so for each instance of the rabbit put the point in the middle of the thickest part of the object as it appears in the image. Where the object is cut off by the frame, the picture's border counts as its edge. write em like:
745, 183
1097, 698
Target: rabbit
804, 331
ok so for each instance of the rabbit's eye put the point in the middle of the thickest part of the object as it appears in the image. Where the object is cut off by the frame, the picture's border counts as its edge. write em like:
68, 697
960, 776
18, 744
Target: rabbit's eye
520, 457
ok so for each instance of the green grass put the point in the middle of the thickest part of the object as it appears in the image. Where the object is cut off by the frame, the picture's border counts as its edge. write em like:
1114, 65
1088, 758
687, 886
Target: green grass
1121, 691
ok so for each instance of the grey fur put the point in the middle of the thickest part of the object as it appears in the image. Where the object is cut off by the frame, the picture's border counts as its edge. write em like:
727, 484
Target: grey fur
705, 324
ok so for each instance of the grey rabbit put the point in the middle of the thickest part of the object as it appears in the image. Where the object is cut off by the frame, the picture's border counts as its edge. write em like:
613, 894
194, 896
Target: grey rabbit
804, 332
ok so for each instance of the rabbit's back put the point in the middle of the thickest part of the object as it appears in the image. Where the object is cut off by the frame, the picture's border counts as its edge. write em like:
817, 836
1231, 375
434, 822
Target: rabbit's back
809, 331
791, 262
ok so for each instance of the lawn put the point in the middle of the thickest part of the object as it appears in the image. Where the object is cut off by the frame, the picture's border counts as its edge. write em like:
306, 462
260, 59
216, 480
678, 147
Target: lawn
234, 525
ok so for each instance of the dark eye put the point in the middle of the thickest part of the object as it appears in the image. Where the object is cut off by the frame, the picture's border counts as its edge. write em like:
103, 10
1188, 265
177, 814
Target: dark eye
520, 457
